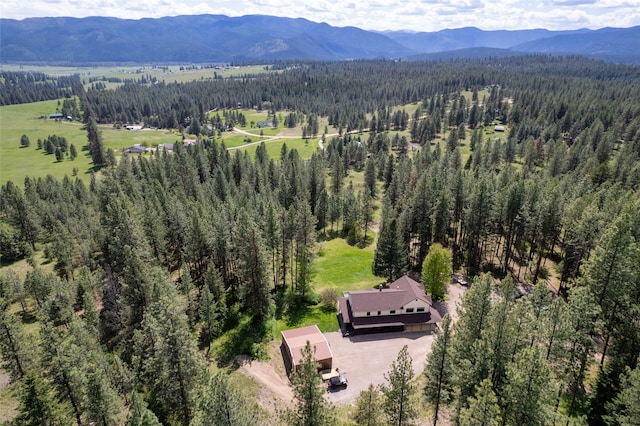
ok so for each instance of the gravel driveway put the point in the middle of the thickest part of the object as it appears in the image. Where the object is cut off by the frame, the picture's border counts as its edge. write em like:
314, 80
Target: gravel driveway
365, 359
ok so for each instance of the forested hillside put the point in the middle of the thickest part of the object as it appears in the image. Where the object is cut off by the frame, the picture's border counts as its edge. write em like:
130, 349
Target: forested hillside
527, 169
263, 38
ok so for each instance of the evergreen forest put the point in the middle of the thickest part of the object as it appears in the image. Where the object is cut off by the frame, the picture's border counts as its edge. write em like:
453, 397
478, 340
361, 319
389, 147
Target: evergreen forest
525, 169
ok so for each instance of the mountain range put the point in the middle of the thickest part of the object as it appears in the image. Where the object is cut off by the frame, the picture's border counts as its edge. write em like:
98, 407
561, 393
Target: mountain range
254, 38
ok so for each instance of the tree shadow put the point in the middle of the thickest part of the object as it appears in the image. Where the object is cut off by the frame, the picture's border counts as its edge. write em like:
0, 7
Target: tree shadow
297, 308
442, 307
27, 317
240, 340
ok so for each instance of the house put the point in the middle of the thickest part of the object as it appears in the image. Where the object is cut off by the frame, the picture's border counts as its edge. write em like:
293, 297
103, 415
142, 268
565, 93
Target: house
498, 128
136, 149
402, 306
294, 340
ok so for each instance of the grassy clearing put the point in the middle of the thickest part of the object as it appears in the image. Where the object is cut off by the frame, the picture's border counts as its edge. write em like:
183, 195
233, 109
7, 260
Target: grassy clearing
344, 267
339, 266
305, 147
167, 74
17, 162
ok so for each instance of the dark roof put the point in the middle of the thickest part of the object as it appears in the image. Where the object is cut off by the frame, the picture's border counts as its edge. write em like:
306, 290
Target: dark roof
397, 295
343, 308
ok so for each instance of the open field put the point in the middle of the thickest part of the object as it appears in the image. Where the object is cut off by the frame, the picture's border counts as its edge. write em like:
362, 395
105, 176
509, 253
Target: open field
168, 74
17, 162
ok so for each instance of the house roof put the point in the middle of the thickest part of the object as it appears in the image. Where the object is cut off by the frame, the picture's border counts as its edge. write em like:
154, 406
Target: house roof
297, 338
399, 293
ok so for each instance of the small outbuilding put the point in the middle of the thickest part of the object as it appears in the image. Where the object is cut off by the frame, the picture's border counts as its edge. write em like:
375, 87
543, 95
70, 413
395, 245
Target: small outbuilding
266, 123
294, 340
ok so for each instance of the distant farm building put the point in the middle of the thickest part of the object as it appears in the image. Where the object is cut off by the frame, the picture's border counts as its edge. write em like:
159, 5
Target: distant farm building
133, 127
498, 129
294, 340
402, 306
136, 149
56, 116
267, 123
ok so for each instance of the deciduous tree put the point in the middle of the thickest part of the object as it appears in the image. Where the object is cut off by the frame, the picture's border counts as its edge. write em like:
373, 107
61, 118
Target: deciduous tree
436, 271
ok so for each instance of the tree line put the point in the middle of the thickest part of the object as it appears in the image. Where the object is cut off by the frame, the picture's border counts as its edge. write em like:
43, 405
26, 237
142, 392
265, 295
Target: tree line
21, 87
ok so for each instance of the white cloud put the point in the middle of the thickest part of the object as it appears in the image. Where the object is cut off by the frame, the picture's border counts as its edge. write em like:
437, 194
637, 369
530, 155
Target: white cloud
572, 2
418, 15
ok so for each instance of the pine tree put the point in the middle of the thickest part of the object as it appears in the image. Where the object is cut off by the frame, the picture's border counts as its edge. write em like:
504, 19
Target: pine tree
253, 272
96, 146
166, 355
390, 258
608, 273
212, 308
473, 315
305, 241
370, 177
15, 352
139, 414
625, 408
368, 408
102, 403
438, 370
222, 404
483, 409
311, 408
39, 405
581, 318
526, 393
398, 392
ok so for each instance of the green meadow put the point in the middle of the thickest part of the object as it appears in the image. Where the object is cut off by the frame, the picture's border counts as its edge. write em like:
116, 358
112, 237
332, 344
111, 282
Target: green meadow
168, 74
17, 162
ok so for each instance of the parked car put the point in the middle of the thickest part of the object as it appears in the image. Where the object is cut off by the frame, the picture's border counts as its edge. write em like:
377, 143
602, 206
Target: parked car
337, 382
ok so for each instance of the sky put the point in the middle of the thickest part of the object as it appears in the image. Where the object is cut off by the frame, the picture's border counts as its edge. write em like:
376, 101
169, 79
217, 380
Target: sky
414, 15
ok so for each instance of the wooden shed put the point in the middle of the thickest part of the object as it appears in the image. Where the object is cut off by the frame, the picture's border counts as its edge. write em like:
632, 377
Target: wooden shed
294, 340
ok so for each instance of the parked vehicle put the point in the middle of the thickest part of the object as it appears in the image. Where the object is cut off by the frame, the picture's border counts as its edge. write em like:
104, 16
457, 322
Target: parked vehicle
337, 382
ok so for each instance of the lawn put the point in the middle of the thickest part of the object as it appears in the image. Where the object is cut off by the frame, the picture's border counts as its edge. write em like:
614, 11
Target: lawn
339, 266
305, 147
344, 267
